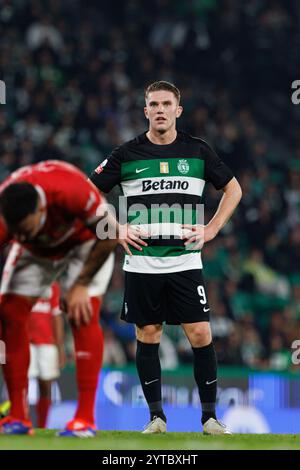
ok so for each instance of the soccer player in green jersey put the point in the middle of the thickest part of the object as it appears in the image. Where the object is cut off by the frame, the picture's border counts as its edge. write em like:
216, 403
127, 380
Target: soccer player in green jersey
162, 173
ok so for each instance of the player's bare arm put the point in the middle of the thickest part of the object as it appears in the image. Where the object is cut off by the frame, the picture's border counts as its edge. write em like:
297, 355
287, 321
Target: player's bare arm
126, 234
230, 200
58, 331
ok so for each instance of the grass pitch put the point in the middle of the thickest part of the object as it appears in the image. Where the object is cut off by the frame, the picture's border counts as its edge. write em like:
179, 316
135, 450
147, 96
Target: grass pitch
122, 440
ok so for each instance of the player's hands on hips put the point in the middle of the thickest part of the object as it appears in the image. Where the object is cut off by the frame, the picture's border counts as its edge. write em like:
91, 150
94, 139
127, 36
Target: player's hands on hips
79, 309
131, 235
198, 234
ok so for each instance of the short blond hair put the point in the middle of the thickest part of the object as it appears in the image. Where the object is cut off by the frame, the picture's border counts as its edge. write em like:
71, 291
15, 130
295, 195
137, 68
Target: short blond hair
163, 85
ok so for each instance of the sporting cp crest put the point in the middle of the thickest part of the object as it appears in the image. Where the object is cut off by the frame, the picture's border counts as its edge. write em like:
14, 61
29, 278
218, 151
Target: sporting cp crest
183, 166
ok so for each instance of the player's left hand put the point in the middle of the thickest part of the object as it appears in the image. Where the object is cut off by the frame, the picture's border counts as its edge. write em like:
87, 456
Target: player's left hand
79, 309
198, 234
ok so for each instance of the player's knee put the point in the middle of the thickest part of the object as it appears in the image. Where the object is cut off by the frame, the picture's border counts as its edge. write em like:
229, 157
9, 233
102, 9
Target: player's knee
200, 336
149, 333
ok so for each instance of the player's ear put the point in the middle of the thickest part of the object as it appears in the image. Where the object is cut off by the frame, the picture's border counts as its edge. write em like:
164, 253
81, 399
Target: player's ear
179, 111
146, 112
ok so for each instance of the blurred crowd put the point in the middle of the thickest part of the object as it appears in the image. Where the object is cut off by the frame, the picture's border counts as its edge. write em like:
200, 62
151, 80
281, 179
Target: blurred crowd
75, 74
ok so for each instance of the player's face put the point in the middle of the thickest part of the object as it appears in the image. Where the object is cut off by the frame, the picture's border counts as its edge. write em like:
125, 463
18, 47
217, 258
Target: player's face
162, 110
28, 228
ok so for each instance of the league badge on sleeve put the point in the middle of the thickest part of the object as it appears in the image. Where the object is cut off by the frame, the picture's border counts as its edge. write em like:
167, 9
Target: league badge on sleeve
99, 168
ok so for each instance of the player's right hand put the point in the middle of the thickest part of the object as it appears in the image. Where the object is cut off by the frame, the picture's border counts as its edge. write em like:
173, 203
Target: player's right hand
79, 309
132, 235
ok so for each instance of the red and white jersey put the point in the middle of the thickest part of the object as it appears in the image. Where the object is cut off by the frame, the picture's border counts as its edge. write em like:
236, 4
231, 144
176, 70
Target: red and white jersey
71, 203
41, 318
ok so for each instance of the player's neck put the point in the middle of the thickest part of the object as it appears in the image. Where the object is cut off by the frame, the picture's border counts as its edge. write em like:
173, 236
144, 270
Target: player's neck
162, 139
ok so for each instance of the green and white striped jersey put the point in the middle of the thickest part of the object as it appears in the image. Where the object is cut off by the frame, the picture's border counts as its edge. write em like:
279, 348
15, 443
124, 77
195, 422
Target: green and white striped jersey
163, 185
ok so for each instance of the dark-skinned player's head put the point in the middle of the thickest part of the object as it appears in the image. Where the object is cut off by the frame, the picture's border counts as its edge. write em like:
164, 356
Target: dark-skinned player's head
21, 209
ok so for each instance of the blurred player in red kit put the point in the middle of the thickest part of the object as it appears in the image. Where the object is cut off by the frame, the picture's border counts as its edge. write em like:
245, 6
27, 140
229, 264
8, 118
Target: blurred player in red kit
47, 353
51, 212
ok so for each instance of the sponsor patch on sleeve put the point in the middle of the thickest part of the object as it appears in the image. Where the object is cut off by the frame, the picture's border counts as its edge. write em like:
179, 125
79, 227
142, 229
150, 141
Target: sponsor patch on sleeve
100, 168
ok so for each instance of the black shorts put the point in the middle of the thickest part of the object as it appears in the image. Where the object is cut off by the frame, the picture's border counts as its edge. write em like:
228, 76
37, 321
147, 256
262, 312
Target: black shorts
174, 298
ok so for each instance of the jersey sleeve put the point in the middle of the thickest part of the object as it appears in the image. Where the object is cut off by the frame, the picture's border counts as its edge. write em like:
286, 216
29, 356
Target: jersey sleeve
215, 170
108, 173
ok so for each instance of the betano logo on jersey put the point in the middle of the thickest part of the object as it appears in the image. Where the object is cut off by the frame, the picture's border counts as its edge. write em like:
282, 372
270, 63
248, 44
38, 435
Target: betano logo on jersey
149, 185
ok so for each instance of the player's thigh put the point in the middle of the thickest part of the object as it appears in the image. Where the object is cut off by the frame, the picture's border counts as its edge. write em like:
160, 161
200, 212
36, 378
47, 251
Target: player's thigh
25, 274
143, 299
48, 362
186, 298
74, 264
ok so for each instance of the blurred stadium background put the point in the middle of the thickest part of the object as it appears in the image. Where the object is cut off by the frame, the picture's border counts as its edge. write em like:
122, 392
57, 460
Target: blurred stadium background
75, 72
